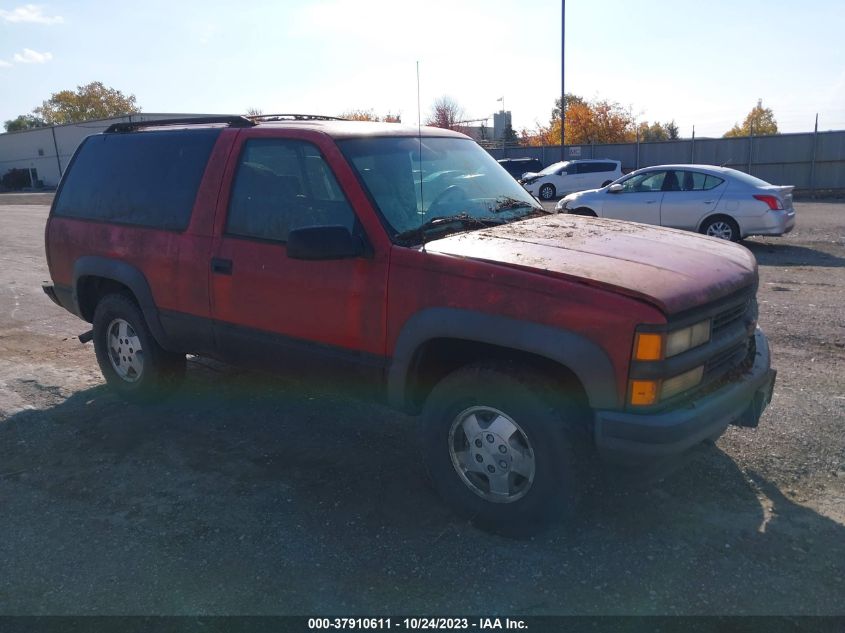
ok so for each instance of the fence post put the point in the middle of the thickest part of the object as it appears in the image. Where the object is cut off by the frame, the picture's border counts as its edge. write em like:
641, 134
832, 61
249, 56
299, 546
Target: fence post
638, 150
692, 152
813, 162
750, 147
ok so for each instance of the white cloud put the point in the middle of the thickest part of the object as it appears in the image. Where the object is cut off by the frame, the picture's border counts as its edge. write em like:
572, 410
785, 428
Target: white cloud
29, 13
4, 63
30, 56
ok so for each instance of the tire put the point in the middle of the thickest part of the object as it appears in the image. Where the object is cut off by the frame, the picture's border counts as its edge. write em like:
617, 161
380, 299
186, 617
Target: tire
497, 451
584, 211
722, 227
146, 372
547, 192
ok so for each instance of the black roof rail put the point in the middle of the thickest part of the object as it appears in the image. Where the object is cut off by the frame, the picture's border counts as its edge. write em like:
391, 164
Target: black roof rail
231, 120
294, 117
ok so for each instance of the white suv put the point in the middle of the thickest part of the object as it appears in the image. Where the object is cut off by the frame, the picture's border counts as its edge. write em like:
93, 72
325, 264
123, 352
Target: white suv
568, 176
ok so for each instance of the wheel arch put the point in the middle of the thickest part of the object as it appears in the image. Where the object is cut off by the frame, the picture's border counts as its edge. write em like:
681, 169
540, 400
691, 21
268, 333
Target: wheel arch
94, 277
720, 214
437, 341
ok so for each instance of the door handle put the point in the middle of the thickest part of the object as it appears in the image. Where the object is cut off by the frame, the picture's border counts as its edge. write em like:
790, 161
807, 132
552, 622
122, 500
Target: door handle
221, 266
651, 201
709, 201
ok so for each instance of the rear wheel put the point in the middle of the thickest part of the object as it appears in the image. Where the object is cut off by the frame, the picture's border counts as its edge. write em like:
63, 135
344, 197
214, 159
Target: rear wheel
547, 192
496, 449
132, 361
721, 226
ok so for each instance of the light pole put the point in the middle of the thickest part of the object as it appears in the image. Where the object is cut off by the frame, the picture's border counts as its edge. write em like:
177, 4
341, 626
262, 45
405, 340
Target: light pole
562, 75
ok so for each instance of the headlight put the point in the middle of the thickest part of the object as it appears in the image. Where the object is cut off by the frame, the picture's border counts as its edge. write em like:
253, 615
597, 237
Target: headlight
681, 382
645, 393
659, 345
688, 338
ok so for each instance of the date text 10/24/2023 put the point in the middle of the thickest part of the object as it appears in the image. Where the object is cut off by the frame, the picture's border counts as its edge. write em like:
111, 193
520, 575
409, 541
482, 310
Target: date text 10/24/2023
416, 623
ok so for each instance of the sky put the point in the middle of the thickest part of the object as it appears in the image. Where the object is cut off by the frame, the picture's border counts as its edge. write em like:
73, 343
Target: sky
702, 64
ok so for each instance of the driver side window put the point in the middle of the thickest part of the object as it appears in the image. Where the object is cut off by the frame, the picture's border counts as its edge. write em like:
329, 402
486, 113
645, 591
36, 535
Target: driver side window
644, 183
281, 185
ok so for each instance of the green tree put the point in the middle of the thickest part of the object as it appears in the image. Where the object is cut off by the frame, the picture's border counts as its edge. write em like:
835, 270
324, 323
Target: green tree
760, 121
653, 132
672, 130
92, 101
24, 122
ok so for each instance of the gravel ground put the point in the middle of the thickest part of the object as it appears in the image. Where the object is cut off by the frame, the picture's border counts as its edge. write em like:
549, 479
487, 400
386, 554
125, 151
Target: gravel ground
251, 494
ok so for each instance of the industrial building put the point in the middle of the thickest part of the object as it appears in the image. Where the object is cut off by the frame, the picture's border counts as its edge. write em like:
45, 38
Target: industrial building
45, 152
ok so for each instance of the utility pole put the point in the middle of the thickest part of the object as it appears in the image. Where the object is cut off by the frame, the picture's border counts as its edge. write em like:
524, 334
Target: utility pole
562, 76
813, 164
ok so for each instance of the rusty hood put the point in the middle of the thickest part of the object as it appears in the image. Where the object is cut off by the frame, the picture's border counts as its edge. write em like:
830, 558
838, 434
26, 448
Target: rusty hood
673, 270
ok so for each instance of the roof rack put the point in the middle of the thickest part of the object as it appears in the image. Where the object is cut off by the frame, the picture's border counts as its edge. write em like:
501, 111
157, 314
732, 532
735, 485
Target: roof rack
231, 120
293, 117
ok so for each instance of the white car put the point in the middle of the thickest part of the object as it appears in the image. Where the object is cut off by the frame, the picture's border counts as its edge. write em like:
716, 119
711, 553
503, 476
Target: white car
572, 175
716, 201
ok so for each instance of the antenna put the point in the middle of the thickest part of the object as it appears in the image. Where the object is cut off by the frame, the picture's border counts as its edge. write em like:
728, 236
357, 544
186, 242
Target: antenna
419, 139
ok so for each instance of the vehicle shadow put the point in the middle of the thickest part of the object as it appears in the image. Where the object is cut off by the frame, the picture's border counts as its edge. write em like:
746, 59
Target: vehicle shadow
246, 494
769, 254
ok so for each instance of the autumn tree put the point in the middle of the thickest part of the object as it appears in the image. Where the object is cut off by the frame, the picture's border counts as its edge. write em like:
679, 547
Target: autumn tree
24, 122
92, 101
760, 121
599, 121
370, 115
254, 112
570, 100
445, 113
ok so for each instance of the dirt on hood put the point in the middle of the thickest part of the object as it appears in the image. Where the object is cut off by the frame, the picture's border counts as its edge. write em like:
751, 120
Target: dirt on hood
674, 270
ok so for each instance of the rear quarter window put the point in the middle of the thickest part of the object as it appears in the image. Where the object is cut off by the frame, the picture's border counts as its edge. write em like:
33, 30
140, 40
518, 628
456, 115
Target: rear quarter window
138, 178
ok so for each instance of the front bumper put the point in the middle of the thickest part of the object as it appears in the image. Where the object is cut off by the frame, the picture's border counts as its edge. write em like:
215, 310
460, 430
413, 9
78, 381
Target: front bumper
625, 437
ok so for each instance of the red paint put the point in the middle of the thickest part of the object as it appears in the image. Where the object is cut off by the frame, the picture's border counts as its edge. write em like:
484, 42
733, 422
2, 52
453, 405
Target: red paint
587, 276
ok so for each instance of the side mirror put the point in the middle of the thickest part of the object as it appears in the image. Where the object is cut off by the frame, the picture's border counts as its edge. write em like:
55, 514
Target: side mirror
615, 188
324, 242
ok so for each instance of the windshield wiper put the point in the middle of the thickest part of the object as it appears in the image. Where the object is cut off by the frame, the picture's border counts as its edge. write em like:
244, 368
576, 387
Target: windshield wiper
506, 203
446, 224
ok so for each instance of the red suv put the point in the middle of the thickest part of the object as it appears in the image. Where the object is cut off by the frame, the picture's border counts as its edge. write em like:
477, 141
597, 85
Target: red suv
409, 264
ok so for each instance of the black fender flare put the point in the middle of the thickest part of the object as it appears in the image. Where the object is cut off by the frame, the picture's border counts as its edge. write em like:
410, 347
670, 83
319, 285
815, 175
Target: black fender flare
589, 362
129, 276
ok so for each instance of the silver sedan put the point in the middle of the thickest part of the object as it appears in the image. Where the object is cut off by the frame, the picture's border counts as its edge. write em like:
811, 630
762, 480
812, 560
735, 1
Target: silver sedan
716, 201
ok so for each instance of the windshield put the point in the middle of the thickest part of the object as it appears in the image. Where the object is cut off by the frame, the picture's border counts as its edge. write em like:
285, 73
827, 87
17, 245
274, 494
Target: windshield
452, 177
552, 169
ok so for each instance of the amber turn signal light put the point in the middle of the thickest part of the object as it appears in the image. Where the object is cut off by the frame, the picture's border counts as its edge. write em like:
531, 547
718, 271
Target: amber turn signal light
644, 392
648, 346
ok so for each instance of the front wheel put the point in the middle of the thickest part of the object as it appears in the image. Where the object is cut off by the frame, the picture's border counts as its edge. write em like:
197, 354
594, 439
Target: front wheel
496, 449
132, 361
547, 192
723, 227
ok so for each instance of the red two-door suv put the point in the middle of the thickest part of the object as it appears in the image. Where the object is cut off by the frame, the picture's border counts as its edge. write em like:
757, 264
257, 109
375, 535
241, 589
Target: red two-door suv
408, 263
